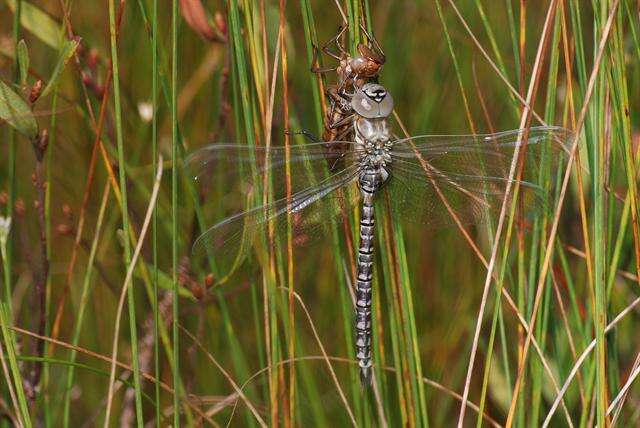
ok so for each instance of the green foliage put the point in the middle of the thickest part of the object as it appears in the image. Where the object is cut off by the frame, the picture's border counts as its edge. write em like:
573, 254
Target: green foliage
37, 22
14, 381
16, 112
67, 50
23, 61
275, 339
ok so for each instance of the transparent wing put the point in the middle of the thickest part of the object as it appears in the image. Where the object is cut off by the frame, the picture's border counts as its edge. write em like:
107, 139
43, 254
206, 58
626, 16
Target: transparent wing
307, 162
440, 180
244, 191
434, 144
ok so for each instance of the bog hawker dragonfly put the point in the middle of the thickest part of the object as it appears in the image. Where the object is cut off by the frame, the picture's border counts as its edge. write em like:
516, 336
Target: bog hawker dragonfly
432, 180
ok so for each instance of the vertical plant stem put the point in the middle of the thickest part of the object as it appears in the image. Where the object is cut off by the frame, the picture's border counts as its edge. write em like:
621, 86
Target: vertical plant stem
154, 221
598, 157
525, 119
456, 66
42, 273
174, 211
84, 298
314, 78
522, 291
125, 212
290, 281
620, 94
11, 174
47, 219
522, 41
11, 353
163, 76
603, 39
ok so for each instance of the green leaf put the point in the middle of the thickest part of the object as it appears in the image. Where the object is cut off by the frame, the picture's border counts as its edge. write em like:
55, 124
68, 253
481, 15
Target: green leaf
23, 61
10, 347
39, 23
16, 112
67, 51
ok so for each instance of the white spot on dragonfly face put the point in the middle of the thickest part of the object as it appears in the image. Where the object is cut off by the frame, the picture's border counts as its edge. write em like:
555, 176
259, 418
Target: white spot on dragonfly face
365, 104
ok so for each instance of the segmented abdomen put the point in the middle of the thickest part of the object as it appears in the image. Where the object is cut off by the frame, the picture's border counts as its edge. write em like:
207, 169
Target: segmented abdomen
363, 290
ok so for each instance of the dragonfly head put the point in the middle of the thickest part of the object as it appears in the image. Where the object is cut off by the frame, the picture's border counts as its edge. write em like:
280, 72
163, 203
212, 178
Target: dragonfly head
372, 101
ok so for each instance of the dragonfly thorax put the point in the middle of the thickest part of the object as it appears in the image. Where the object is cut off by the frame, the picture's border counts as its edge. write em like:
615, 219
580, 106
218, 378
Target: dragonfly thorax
376, 154
373, 142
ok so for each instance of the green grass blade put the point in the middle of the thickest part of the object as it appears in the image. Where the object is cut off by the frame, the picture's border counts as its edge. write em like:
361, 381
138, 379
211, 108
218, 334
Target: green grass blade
125, 210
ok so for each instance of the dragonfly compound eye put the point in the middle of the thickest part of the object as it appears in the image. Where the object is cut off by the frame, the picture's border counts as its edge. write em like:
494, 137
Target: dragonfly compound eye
372, 101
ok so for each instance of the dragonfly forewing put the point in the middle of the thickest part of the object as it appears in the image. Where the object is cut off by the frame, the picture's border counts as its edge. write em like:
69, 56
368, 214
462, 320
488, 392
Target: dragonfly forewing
254, 180
439, 181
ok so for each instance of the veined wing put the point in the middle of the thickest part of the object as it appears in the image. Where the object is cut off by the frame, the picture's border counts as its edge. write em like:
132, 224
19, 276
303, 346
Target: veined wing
244, 191
438, 180
308, 163
465, 143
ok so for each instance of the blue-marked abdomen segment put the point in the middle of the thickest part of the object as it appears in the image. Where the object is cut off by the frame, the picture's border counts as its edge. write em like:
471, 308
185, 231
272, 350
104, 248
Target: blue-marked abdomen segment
363, 292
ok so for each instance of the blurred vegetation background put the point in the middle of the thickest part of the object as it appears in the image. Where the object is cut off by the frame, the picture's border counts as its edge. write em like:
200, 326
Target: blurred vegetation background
273, 345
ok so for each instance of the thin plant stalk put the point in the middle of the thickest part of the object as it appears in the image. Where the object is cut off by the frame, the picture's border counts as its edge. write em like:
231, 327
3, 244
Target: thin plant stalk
84, 300
10, 352
11, 172
125, 212
154, 220
291, 346
125, 288
174, 214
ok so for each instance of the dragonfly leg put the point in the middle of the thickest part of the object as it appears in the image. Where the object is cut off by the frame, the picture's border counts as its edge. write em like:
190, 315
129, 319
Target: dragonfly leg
305, 133
372, 40
339, 98
345, 134
343, 29
325, 48
315, 67
343, 122
320, 70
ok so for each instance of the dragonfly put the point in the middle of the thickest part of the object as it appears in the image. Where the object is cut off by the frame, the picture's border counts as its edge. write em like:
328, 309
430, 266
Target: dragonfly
431, 180
352, 72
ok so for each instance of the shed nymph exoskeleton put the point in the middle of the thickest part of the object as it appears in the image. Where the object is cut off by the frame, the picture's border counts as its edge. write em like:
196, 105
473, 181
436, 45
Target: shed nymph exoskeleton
352, 72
